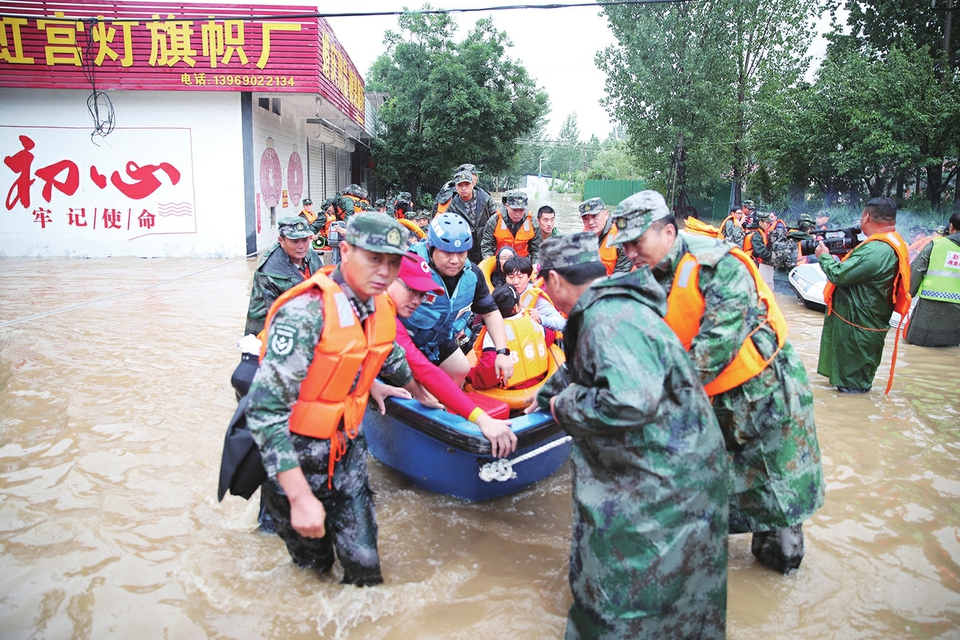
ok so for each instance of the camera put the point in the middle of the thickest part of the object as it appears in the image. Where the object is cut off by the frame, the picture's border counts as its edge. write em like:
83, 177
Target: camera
336, 233
839, 242
750, 222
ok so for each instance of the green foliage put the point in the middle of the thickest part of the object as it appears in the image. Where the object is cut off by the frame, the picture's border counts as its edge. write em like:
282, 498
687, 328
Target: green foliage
449, 102
686, 80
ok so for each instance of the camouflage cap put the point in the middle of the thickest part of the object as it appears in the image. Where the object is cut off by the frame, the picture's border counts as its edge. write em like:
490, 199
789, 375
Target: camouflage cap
569, 250
593, 206
462, 176
516, 199
380, 202
764, 216
806, 220
748, 204
377, 232
294, 227
635, 214
469, 167
306, 201
404, 196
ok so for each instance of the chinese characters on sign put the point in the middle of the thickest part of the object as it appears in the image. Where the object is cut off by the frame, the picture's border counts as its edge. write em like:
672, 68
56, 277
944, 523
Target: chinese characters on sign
138, 194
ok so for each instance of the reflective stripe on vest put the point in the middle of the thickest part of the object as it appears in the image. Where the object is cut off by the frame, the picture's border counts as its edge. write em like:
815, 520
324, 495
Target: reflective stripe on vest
685, 307
900, 292
608, 252
942, 280
528, 348
518, 242
328, 396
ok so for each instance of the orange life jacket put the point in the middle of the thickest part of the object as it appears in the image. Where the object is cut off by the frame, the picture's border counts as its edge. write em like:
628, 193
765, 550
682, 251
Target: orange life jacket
528, 348
608, 252
328, 396
519, 242
899, 295
748, 243
356, 202
723, 225
685, 307
310, 216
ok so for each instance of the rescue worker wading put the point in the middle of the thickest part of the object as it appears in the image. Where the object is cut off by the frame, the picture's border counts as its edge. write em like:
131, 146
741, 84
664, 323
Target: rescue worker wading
327, 339
727, 319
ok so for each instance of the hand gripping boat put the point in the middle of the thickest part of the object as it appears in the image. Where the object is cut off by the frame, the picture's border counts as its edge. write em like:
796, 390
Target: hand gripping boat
444, 453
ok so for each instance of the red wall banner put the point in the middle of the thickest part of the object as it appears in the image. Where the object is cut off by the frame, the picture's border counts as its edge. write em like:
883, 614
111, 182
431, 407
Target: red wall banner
175, 47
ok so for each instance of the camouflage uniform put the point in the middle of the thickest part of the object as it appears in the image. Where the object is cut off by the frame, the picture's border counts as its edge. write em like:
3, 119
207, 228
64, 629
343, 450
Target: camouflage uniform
276, 273
734, 234
351, 525
776, 478
649, 551
784, 249
488, 245
476, 212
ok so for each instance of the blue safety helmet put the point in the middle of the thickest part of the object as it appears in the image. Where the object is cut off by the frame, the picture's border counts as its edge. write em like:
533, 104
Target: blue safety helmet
449, 232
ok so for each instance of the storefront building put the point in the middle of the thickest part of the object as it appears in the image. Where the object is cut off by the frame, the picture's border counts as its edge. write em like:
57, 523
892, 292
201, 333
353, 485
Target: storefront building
170, 129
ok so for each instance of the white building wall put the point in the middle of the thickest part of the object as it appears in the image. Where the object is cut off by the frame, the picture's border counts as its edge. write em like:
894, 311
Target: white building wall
168, 181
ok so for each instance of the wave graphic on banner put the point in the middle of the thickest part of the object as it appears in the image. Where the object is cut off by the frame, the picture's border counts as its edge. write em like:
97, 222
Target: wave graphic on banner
174, 209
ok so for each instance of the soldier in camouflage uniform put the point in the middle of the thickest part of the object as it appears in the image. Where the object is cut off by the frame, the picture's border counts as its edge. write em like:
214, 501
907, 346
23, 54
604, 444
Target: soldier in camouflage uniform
649, 551
776, 479
283, 265
321, 502
731, 229
785, 249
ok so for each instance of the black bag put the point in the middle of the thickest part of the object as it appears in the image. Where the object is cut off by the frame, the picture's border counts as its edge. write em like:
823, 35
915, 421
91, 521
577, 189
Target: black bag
241, 468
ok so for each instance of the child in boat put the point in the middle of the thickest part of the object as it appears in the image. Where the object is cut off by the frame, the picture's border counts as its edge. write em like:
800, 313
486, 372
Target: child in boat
519, 271
528, 341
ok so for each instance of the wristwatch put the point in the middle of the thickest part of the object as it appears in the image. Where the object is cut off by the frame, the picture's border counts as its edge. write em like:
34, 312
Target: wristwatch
503, 352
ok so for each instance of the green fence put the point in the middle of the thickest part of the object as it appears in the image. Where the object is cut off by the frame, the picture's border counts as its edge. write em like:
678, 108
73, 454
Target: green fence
613, 191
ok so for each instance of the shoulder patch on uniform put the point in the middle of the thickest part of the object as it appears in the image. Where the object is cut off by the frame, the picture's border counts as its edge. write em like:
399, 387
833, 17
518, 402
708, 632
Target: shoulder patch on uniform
282, 341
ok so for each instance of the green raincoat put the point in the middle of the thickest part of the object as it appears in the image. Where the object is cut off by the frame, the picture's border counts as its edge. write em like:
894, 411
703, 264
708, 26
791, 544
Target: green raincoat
649, 551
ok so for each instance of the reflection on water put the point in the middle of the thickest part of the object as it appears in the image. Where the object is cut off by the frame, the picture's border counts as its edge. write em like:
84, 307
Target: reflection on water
111, 421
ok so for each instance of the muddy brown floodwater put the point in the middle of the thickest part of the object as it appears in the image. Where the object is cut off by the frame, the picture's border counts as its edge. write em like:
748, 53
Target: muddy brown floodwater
111, 421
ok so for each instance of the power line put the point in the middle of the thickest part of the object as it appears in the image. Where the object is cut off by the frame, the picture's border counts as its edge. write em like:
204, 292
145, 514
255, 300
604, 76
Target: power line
369, 14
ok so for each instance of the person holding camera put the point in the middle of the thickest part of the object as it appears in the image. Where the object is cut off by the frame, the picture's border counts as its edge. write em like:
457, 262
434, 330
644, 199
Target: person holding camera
786, 252
935, 276
863, 290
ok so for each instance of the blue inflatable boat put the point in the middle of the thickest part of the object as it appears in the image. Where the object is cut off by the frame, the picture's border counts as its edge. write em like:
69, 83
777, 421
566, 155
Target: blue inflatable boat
444, 453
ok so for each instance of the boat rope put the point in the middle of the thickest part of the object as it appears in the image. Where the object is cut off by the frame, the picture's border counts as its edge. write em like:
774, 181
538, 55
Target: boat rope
502, 469
37, 316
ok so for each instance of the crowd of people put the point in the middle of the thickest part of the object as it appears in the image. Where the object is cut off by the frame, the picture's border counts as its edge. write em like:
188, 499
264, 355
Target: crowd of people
690, 412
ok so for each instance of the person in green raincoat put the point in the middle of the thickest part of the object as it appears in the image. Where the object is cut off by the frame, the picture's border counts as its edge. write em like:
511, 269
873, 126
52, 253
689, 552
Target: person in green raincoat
761, 397
865, 285
649, 551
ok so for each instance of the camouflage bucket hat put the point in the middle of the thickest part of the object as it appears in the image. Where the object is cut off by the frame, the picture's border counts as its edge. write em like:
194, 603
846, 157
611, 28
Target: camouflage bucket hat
592, 206
517, 199
294, 227
569, 250
462, 176
635, 215
377, 232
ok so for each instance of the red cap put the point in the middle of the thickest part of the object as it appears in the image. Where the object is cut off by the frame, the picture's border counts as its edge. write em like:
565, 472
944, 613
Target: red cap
415, 273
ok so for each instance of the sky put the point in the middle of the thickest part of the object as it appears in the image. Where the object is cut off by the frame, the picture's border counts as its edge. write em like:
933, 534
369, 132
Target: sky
556, 46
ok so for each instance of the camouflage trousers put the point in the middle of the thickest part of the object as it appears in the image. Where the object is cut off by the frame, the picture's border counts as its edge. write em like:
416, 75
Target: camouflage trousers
351, 520
780, 549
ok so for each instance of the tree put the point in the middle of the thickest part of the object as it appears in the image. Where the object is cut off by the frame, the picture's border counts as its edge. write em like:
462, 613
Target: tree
686, 79
449, 102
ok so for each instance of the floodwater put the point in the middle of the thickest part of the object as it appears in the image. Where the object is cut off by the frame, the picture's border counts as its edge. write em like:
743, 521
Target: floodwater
112, 416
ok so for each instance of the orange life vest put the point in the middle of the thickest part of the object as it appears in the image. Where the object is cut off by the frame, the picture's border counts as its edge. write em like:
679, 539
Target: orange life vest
309, 216
528, 348
518, 242
328, 396
748, 243
723, 225
685, 307
899, 295
356, 202
608, 252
